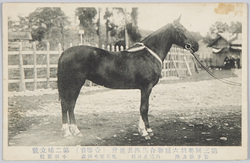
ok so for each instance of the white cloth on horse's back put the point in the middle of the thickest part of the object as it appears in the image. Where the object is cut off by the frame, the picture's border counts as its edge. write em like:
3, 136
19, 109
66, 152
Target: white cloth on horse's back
141, 46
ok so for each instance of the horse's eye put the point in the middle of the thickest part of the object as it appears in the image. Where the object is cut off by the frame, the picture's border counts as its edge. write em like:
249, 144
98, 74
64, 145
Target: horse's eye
187, 46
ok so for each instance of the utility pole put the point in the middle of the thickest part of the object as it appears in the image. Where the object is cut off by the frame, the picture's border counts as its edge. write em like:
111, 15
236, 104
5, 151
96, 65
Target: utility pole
125, 29
81, 32
99, 27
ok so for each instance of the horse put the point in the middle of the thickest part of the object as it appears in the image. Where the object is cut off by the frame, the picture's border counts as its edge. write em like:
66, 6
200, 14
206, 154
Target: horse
138, 67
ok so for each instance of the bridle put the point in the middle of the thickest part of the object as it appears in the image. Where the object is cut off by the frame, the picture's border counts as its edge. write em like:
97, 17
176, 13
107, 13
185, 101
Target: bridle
191, 49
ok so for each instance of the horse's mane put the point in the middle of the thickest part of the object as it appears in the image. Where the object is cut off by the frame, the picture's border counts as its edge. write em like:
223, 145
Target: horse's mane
156, 33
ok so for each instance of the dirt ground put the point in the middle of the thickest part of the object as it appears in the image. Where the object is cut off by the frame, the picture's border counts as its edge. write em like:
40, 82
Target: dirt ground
196, 110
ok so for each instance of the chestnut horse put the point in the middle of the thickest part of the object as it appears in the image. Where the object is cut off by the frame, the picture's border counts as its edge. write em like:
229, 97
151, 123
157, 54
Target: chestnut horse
138, 67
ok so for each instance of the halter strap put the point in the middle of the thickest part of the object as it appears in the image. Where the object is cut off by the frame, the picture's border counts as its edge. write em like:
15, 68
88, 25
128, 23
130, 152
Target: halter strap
141, 47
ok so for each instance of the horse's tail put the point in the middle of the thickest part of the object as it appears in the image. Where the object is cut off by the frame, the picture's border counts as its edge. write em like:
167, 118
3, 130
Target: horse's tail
59, 78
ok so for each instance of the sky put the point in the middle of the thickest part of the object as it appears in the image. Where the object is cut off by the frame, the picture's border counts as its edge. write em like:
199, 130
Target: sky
196, 17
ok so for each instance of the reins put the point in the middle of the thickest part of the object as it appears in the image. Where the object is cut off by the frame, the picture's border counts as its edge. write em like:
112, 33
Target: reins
211, 73
189, 48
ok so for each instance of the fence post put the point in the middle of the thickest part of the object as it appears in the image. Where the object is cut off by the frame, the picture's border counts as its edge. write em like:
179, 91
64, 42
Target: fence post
188, 68
168, 64
164, 69
122, 48
48, 65
60, 49
117, 48
35, 68
108, 47
178, 75
22, 86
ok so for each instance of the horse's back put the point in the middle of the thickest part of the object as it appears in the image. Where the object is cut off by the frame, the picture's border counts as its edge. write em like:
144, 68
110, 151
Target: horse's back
111, 69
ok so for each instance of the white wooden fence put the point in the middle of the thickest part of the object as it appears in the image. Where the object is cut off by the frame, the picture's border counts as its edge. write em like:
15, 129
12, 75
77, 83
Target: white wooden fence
178, 63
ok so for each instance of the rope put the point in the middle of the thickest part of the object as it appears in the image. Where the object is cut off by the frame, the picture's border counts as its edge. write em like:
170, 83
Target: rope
213, 75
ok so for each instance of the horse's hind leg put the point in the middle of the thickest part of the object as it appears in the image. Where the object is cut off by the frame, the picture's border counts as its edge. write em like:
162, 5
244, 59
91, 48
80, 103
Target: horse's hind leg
65, 125
73, 127
68, 97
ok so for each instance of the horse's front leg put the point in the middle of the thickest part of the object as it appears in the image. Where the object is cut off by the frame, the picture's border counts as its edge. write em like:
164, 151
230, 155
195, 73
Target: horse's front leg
143, 127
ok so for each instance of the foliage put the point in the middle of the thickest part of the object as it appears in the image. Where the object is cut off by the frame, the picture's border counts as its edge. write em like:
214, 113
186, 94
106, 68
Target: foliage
86, 17
48, 23
219, 27
111, 27
42, 23
130, 24
38, 33
133, 33
48, 17
21, 25
235, 27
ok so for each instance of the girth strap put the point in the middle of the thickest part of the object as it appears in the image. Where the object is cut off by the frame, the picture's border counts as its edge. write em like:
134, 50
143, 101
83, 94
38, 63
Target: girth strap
142, 47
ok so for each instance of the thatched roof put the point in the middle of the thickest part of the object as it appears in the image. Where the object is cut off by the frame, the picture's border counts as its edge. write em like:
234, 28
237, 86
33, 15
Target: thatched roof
231, 38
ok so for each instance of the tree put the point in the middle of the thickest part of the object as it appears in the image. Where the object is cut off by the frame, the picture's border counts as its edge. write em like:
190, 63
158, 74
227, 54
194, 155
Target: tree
22, 25
219, 27
130, 25
86, 17
46, 20
111, 28
235, 27
133, 33
48, 17
38, 34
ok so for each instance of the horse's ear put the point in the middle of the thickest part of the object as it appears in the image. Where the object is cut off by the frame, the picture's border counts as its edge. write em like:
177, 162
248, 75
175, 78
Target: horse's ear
178, 20
175, 23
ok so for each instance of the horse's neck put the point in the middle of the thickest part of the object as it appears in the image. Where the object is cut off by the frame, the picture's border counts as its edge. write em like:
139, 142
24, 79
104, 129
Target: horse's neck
160, 43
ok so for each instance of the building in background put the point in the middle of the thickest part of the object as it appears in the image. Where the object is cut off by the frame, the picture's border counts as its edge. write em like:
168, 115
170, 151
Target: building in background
227, 46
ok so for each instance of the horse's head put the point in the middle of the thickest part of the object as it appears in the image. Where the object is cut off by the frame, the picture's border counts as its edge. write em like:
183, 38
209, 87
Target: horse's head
183, 37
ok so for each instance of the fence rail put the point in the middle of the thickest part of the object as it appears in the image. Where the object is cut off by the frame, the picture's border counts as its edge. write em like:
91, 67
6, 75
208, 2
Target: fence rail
178, 63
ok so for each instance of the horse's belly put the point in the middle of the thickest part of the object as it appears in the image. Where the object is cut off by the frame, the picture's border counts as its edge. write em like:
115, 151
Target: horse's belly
117, 82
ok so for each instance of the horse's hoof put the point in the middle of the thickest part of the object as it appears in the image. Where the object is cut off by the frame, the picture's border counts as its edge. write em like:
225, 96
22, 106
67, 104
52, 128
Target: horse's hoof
74, 130
67, 135
147, 137
151, 134
79, 134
